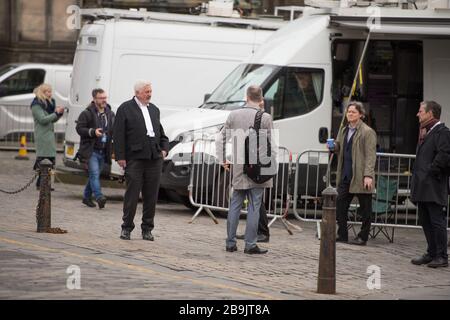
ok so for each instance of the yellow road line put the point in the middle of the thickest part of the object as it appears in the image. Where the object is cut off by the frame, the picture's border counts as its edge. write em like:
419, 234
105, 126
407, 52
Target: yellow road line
143, 269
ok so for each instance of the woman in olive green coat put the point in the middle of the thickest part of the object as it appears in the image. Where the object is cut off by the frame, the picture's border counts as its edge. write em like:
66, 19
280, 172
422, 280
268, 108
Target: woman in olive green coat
45, 114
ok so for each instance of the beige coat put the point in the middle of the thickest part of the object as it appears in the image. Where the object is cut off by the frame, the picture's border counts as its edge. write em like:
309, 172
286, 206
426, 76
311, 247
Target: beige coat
364, 156
236, 128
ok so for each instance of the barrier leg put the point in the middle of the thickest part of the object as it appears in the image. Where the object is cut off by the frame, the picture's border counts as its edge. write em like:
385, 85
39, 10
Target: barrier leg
284, 222
196, 214
293, 225
208, 211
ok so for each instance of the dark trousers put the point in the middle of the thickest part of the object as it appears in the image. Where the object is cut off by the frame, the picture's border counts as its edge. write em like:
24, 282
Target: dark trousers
141, 176
433, 219
343, 201
263, 223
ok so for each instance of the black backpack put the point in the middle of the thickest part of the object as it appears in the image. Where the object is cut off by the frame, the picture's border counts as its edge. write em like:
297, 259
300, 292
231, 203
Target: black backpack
253, 168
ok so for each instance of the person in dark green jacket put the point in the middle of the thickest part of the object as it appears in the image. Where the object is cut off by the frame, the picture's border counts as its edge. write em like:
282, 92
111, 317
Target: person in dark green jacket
45, 114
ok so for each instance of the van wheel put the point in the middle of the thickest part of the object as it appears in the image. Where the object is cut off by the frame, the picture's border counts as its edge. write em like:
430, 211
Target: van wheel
188, 204
175, 197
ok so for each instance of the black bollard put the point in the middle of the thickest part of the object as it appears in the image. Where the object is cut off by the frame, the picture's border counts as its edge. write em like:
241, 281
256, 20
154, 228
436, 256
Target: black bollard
43, 210
326, 282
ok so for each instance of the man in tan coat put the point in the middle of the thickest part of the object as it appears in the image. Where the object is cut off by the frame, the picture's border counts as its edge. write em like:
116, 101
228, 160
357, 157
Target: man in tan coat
236, 128
356, 149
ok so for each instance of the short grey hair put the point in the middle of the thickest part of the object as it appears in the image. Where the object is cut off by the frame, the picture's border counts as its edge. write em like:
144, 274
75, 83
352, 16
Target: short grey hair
254, 93
434, 107
141, 84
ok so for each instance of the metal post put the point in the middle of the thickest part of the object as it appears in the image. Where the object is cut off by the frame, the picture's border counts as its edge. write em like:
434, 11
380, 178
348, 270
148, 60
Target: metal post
43, 211
326, 282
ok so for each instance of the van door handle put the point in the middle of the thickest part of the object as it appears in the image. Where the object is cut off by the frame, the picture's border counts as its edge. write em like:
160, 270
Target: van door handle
323, 134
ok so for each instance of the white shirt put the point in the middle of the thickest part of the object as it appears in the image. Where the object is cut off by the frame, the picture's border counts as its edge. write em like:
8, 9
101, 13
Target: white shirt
148, 120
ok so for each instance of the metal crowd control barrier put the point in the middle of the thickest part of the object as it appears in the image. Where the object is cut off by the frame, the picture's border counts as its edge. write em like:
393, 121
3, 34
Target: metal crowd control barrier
391, 203
17, 121
311, 172
210, 186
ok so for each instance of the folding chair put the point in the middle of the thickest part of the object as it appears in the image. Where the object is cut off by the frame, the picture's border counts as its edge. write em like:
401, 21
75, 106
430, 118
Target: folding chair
383, 205
382, 208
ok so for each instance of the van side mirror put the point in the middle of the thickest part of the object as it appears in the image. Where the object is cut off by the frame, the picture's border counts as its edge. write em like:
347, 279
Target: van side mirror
323, 134
268, 104
207, 96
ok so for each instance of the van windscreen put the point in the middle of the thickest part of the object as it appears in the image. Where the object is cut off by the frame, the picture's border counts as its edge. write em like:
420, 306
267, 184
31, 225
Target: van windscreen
231, 93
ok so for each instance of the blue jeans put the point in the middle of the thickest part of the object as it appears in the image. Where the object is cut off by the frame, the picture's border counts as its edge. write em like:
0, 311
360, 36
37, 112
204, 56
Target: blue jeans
251, 229
95, 166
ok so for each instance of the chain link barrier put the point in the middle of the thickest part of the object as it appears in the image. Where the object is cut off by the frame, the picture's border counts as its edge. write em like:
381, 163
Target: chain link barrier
24, 187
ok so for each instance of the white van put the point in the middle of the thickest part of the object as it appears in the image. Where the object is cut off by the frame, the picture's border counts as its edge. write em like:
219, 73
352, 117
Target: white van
406, 61
17, 82
184, 56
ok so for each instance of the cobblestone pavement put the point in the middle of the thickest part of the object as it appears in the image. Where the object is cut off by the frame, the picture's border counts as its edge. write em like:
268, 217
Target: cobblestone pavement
186, 261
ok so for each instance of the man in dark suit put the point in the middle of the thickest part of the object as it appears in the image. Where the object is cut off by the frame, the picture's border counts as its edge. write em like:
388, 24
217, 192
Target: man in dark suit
429, 185
140, 147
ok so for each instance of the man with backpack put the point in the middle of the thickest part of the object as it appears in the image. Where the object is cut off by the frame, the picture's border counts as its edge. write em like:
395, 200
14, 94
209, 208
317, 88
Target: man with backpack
263, 223
238, 126
429, 185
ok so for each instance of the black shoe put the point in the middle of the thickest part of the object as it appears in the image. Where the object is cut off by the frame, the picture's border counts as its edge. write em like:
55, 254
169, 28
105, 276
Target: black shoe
358, 241
255, 250
263, 238
438, 263
231, 249
101, 202
88, 202
424, 259
147, 235
343, 240
125, 234
240, 236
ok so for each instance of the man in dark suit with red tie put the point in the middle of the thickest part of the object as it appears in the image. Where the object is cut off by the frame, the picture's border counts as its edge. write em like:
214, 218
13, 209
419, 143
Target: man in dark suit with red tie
140, 147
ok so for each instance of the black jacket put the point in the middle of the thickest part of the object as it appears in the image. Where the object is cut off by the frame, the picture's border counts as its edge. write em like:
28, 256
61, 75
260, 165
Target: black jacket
430, 181
130, 134
86, 124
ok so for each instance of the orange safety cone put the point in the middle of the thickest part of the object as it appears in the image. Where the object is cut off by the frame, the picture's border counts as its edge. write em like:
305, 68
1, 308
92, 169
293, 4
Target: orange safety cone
23, 155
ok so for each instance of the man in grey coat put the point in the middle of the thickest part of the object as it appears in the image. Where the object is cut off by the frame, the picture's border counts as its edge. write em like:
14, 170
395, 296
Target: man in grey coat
236, 128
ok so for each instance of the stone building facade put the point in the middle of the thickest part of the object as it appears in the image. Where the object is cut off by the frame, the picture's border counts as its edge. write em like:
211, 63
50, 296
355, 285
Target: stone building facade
36, 31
